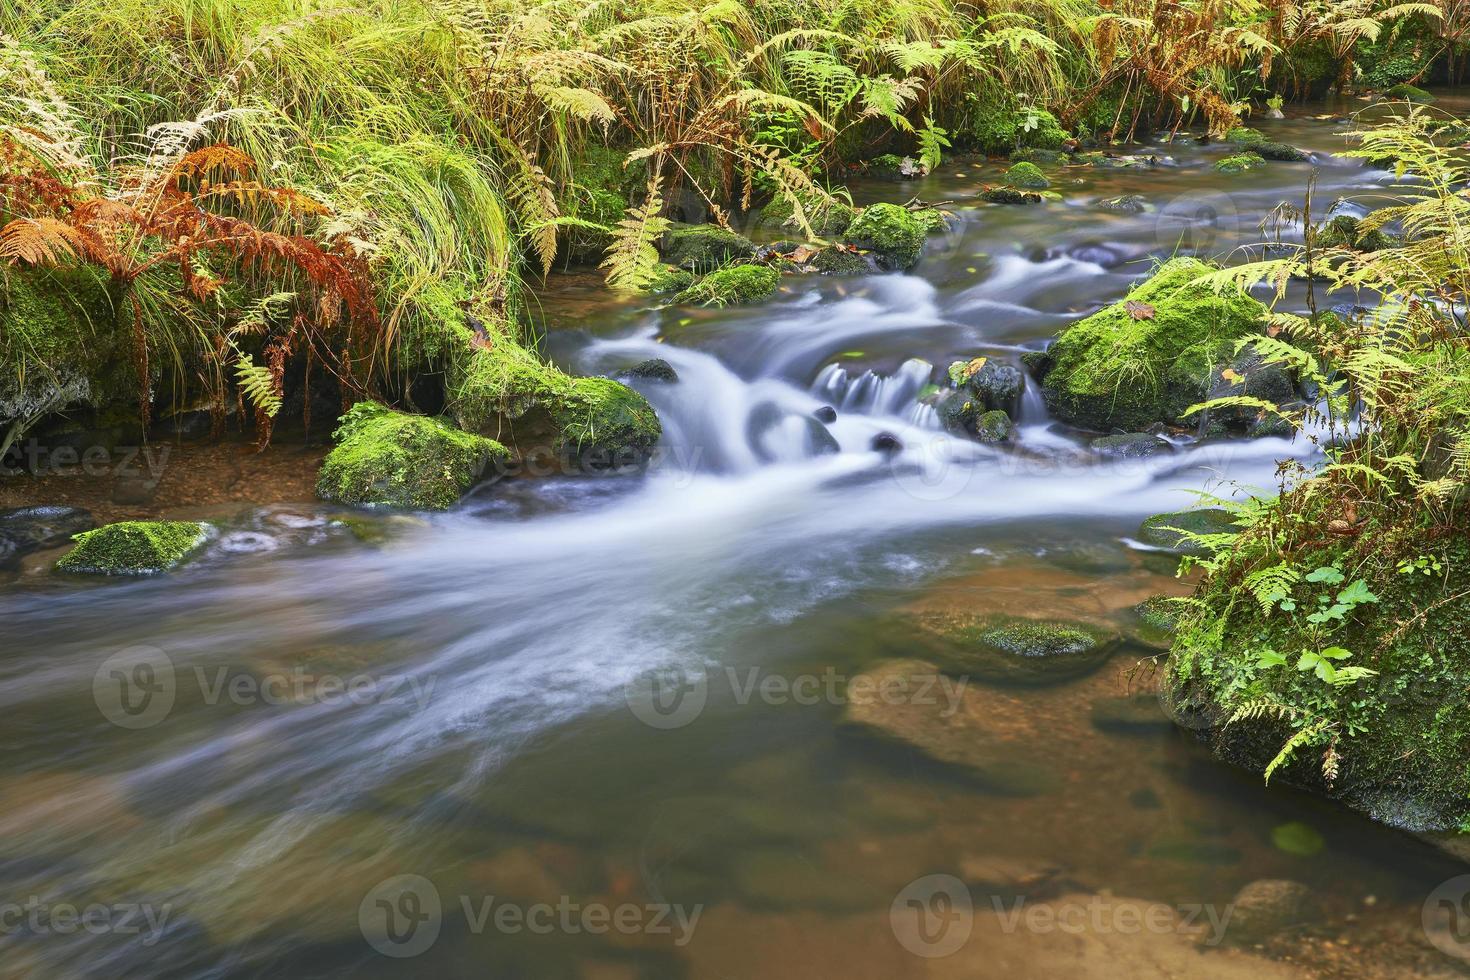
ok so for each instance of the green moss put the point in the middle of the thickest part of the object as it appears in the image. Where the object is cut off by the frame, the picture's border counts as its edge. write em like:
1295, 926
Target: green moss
133, 548
1245, 136
827, 218
704, 248
1239, 163
506, 392
1345, 231
933, 220
393, 459
601, 193
890, 231
732, 286
1033, 154
999, 128
1284, 152
994, 426
1156, 620
1150, 357
1409, 93
60, 344
1026, 176
1008, 648
840, 262
891, 166
1009, 195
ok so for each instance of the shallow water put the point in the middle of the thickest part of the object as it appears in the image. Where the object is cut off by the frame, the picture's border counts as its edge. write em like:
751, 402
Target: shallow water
496, 741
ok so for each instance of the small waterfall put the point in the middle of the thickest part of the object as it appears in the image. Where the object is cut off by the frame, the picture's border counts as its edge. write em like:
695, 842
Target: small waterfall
871, 393
1033, 403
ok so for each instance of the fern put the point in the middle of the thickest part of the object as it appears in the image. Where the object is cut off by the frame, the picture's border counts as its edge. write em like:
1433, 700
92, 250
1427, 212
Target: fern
632, 260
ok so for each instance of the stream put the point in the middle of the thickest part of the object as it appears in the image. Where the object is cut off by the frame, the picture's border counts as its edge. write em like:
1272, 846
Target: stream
308, 714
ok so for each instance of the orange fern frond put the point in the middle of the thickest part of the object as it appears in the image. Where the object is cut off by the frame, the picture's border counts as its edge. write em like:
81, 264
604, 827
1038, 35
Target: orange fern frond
212, 161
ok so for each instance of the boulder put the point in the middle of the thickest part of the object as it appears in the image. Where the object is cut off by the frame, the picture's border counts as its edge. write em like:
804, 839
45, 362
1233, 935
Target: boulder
1026, 176
1284, 152
133, 548
827, 218
1127, 204
27, 529
1239, 163
891, 232
1173, 531
891, 166
704, 248
1009, 195
996, 385
654, 369
1409, 93
732, 286
1131, 445
1265, 908
1155, 621
1147, 359
1013, 650
834, 261
1249, 375
393, 459
994, 426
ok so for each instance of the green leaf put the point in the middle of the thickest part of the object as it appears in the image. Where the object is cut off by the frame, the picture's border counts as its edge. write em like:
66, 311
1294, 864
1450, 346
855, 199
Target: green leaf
1356, 594
1269, 658
1327, 575
1336, 653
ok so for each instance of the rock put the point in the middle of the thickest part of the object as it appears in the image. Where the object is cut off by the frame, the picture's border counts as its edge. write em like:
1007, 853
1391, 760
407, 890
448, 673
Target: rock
704, 247
1132, 445
765, 418
1149, 358
994, 426
999, 129
1166, 530
891, 232
1345, 231
1138, 714
1239, 163
654, 369
1127, 204
1155, 620
934, 220
1026, 176
393, 459
1010, 876
27, 529
1248, 374
1033, 154
886, 442
1129, 161
827, 218
891, 166
1265, 908
133, 548
732, 286
1008, 195
1011, 649
834, 261
1245, 136
671, 280
996, 385
826, 414
1284, 152
1410, 93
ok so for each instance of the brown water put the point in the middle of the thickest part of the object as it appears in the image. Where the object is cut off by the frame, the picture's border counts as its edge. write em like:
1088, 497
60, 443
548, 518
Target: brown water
501, 747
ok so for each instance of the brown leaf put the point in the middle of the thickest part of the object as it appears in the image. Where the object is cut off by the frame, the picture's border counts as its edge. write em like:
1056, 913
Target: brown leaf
1139, 311
802, 254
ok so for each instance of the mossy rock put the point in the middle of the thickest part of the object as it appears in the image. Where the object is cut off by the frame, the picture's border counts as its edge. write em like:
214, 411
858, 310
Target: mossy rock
994, 426
1155, 621
892, 233
999, 129
1013, 650
934, 220
412, 462
133, 548
1032, 154
732, 286
1283, 152
654, 369
671, 280
1405, 92
1239, 163
827, 218
1245, 136
1149, 358
1026, 176
1129, 445
1346, 232
891, 166
1009, 195
1127, 204
507, 393
704, 248
61, 345
1171, 532
833, 261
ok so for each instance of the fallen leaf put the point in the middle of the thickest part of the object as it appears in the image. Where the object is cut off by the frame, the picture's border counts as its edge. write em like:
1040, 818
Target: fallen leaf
1139, 311
802, 254
1231, 375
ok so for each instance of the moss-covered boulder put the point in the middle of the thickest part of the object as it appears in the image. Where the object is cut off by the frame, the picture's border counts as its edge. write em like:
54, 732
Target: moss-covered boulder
834, 261
994, 426
1350, 682
732, 286
1239, 163
1283, 152
393, 459
1127, 204
998, 129
1409, 93
1026, 176
61, 345
934, 220
1244, 136
1009, 195
505, 392
827, 218
1154, 622
1346, 232
1148, 358
891, 232
704, 248
133, 548
1009, 649
994, 384
1033, 154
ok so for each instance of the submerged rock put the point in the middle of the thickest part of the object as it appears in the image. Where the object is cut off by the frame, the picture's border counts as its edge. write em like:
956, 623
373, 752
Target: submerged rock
1009, 195
1155, 621
393, 459
654, 369
1265, 908
27, 529
1014, 650
892, 233
834, 261
1149, 358
1172, 531
1132, 445
703, 248
1127, 204
1137, 714
133, 548
732, 286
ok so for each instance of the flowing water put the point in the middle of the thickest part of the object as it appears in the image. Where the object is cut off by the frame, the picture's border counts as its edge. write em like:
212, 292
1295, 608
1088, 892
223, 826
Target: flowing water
492, 738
